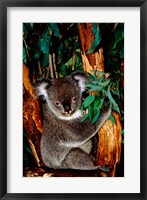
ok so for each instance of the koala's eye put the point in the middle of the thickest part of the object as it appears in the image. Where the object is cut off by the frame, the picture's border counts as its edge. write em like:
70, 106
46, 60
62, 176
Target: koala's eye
57, 103
74, 99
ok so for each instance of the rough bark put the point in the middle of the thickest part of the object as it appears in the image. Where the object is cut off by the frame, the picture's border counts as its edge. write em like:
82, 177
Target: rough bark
109, 146
91, 61
32, 118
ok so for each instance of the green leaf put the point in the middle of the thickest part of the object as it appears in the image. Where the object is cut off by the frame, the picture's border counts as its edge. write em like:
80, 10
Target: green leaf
69, 62
95, 82
94, 87
122, 132
112, 119
24, 55
28, 26
45, 42
119, 37
105, 83
97, 103
118, 92
84, 118
88, 101
37, 54
29, 150
55, 29
97, 40
115, 106
94, 28
25, 30
98, 72
90, 112
31, 25
78, 50
96, 117
121, 53
44, 60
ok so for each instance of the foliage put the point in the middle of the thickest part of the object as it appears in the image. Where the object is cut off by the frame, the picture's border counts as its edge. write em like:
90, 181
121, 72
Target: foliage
53, 45
103, 88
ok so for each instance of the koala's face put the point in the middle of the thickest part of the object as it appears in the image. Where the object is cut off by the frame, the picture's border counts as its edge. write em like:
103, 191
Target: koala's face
63, 95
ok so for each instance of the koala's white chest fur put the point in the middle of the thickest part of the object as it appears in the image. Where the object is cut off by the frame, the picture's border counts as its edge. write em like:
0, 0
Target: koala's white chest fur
77, 115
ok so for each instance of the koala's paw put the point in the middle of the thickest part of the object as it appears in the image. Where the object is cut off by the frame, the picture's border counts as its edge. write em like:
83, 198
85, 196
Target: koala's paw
107, 109
104, 168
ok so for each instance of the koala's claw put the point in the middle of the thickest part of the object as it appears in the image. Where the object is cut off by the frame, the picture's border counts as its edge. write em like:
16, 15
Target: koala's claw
104, 168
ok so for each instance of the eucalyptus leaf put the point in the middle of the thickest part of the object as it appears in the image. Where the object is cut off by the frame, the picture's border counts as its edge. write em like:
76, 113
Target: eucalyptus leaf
96, 117
112, 119
116, 108
105, 83
31, 24
69, 62
55, 29
24, 53
112, 100
120, 37
84, 118
121, 52
24, 56
94, 28
37, 54
95, 82
45, 60
45, 42
90, 112
97, 39
94, 87
97, 103
101, 104
25, 30
29, 150
88, 101
97, 72
78, 50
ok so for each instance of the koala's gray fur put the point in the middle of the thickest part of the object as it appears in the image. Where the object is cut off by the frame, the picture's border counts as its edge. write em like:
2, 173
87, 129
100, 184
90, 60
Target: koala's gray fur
66, 142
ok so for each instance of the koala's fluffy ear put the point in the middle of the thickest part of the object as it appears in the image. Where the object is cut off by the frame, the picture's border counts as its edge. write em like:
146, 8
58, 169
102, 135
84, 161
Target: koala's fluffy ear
81, 78
41, 86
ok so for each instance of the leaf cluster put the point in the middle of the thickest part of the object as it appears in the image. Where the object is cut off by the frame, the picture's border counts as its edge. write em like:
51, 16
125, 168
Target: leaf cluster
103, 92
42, 41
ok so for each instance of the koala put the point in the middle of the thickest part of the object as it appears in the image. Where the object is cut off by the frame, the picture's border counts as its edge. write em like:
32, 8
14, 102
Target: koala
66, 142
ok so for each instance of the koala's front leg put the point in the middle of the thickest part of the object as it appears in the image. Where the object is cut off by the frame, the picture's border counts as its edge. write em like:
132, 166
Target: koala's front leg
78, 133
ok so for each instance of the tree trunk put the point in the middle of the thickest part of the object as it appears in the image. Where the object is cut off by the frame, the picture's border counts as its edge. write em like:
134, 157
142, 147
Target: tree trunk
32, 118
91, 61
109, 143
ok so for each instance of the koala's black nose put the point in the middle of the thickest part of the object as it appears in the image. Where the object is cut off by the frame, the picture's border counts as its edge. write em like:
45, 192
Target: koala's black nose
67, 107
